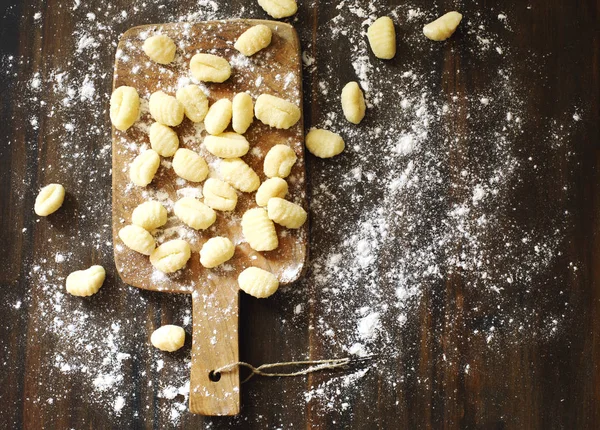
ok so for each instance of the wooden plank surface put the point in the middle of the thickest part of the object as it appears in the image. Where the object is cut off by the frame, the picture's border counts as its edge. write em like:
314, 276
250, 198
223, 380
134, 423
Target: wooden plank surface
457, 354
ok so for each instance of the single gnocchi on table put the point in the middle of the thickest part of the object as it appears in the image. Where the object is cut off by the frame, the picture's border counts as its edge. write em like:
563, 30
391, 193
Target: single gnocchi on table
259, 230
166, 109
171, 256
160, 48
238, 174
219, 195
353, 103
272, 187
210, 68
227, 145
149, 215
443, 27
279, 8
124, 107
194, 102
276, 112
216, 251
49, 199
286, 213
218, 117
189, 165
87, 282
163, 139
144, 167
382, 38
258, 282
242, 112
168, 338
253, 40
279, 161
324, 143
194, 213
137, 239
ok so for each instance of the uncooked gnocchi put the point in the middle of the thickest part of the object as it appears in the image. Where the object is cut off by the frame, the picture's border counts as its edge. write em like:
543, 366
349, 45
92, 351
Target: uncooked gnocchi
163, 139
218, 117
216, 251
144, 167
160, 48
189, 165
171, 256
279, 161
259, 230
138, 239
324, 143
86, 282
210, 68
286, 213
166, 109
382, 38
149, 215
124, 107
227, 145
194, 213
273, 187
253, 40
353, 103
242, 110
168, 338
49, 199
219, 195
276, 112
443, 27
194, 102
258, 282
279, 8
238, 174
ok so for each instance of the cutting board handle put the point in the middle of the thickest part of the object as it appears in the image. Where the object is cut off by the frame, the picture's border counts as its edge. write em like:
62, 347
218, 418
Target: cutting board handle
215, 344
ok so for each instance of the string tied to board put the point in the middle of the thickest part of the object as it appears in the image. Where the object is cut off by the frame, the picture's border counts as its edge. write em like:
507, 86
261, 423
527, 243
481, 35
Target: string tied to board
313, 366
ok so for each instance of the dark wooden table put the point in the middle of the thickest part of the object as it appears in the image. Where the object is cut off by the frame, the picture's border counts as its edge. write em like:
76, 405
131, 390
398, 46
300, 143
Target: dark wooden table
515, 351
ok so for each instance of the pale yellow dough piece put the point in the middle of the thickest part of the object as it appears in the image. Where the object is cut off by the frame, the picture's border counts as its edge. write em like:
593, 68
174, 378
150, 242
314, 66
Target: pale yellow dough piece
279, 161
242, 112
324, 143
286, 213
216, 251
210, 68
273, 187
276, 112
279, 8
258, 282
227, 145
165, 109
259, 230
49, 199
168, 338
171, 256
144, 167
238, 174
138, 239
443, 27
160, 48
382, 38
194, 102
163, 139
124, 107
189, 165
149, 215
353, 103
194, 213
87, 282
253, 40
219, 195
218, 117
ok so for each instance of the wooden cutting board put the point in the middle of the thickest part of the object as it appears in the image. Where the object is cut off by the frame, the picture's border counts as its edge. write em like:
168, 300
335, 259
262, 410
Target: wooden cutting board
215, 295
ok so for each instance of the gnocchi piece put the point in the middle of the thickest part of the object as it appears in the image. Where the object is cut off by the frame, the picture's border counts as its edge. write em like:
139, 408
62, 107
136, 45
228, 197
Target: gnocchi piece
86, 282
242, 110
210, 68
171, 256
227, 145
194, 102
189, 165
149, 215
382, 38
49, 199
259, 230
286, 213
163, 139
258, 282
124, 107
279, 8
276, 112
238, 174
218, 117
219, 195
216, 251
138, 239
194, 213
160, 48
353, 103
144, 167
279, 161
274, 187
324, 143
443, 27
253, 40
168, 338
166, 109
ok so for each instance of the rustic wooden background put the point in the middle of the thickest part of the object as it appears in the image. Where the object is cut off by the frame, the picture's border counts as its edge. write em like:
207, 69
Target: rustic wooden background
542, 383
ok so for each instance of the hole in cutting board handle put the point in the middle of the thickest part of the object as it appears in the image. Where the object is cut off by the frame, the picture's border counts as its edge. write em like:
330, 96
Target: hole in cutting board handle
214, 377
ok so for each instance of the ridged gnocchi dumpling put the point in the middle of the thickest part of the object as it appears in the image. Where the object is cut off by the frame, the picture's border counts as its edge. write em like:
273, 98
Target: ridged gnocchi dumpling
353, 103
276, 112
149, 215
279, 8
253, 40
279, 161
137, 239
242, 110
273, 187
443, 27
168, 338
238, 174
227, 145
324, 143
124, 107
194, 102
219, 195
259, 230
144, 167
194, 213
160, 48
258, 282
210, 68
286, 213
163, 139
189, 165
86, 282
49, 199
218, 117
171, 256
166, 109
216, 251
382, 38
